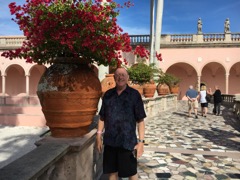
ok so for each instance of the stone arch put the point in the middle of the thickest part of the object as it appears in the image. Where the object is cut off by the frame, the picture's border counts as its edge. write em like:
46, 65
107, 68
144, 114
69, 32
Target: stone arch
35, 73
213, 73
234, 79
186, 73
15, 80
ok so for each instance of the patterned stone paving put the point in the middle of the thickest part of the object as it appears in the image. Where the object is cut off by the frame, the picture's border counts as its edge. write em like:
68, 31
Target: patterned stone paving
182, 148
178, 147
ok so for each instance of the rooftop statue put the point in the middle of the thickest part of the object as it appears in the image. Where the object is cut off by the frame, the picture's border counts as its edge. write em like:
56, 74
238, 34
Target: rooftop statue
227, 26
199, 26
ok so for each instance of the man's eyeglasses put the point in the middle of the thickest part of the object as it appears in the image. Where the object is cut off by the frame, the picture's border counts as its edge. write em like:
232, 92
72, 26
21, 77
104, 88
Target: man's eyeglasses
120, 75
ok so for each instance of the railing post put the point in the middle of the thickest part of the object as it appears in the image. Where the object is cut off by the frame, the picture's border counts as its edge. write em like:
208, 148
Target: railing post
3, 41
228, 37
199, 38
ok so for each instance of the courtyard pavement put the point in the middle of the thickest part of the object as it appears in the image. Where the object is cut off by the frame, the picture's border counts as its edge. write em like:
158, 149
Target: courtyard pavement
179, 147
16, 141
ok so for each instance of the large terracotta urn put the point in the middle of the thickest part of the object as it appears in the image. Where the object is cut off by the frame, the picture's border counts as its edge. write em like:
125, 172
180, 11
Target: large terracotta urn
69, 94
163, 89
107, 83
149, 90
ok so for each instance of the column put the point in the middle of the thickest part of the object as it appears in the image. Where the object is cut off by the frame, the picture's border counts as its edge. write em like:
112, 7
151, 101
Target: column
198, 82
152, 30
158, 28
3, 85
227, 82
102, 70
27, 85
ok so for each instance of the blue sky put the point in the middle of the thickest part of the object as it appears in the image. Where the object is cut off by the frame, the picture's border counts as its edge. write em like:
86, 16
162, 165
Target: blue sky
179, 16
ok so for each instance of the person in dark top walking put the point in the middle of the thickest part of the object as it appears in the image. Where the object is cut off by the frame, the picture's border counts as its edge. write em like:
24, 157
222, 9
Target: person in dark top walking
217, 99
121, 111
192, 96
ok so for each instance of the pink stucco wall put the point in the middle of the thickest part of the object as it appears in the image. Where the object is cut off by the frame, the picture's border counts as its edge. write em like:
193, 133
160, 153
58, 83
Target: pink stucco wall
213, 66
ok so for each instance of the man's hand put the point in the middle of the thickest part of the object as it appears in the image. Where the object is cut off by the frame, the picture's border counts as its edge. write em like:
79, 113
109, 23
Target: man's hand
139, 147
99, 143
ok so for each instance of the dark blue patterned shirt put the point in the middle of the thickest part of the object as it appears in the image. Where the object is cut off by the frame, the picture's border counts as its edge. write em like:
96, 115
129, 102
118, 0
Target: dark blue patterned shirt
120, 114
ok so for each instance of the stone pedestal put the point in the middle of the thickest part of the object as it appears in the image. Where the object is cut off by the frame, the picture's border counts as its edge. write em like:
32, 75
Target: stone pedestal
80, 162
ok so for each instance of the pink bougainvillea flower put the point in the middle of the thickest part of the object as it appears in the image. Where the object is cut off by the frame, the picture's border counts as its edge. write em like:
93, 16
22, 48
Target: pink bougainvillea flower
71, 28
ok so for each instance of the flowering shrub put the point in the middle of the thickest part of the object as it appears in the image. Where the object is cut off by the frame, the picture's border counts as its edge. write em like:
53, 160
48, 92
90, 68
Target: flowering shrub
141, 52
69, 28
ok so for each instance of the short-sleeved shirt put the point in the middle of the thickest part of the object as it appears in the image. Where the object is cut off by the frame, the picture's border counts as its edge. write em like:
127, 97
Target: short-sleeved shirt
120, 114
203, 95
217, 96
192, 93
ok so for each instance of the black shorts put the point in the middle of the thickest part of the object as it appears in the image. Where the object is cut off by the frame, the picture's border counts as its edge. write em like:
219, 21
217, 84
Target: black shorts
204, 104
119, 160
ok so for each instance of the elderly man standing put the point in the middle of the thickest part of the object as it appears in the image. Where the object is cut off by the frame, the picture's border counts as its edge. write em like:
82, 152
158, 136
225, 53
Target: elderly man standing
122, 109
192, 96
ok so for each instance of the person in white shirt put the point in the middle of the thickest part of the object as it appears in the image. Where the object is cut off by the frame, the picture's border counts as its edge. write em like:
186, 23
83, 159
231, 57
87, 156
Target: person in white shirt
203, 101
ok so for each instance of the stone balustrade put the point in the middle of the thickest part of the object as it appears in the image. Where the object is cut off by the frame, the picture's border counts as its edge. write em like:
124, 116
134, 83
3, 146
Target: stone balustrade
181, 38
236, 107
235, 37
213, 37
72, 158
7, 42
228, 98
190, 39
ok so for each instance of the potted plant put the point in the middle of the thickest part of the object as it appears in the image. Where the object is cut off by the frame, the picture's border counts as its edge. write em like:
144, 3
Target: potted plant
171, 81
142, 76
72, 36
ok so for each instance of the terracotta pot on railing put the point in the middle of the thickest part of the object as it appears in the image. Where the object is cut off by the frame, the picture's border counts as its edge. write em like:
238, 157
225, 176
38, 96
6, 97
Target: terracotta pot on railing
69, 96
137, 87
149, 90
163, 89
107, 83
174, 89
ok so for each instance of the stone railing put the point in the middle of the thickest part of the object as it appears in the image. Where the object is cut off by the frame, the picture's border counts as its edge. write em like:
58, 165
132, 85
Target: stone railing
213, 37
72, 158
232, 101
236, 107
181, 38
228, 98
235, 37
216, 38
158, 104
140, 39
8, 42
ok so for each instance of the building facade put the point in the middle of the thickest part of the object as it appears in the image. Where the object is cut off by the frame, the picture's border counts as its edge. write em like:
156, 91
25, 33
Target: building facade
212, 59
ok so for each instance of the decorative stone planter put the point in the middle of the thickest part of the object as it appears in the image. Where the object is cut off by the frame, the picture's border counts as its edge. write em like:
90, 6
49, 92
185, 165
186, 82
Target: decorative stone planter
163, 89
149, 90
69, 96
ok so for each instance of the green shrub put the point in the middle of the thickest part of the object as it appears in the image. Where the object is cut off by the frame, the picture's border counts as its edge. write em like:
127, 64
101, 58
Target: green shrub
141, 73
